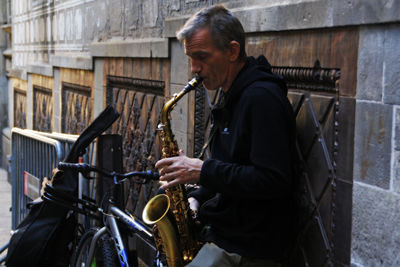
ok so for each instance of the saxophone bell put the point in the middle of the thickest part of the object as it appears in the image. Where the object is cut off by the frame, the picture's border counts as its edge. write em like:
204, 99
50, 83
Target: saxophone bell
156, 213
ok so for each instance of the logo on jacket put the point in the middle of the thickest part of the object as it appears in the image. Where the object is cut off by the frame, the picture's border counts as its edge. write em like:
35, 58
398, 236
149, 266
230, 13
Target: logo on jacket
225, 131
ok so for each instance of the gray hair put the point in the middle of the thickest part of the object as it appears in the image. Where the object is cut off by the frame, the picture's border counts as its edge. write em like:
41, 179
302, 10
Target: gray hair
224, 28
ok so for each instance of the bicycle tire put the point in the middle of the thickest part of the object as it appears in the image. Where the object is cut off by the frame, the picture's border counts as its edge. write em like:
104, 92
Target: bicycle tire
105, 253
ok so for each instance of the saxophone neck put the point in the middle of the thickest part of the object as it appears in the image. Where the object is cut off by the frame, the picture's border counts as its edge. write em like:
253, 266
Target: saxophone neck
167, 108
191, 85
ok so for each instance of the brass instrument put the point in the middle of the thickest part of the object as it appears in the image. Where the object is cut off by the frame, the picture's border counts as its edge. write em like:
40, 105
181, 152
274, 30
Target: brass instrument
174, 231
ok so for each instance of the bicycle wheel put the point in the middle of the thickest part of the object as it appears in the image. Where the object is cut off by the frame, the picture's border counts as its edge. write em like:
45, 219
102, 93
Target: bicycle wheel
104, 256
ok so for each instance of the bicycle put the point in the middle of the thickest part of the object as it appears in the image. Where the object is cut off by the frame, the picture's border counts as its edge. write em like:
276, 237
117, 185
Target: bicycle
95, 246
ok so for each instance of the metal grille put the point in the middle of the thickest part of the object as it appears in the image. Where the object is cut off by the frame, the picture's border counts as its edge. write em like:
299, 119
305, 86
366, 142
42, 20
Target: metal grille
76, 108
139, 102
315, 101
42, 109
205, 100
200, 120
19, 108
315, 79
314, 95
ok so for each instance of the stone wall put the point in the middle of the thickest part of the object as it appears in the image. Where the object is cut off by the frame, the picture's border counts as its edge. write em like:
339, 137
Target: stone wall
50, 36
376, 196
3, 79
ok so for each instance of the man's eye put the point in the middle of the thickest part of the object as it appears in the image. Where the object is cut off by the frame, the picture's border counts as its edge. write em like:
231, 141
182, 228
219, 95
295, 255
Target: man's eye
201, 57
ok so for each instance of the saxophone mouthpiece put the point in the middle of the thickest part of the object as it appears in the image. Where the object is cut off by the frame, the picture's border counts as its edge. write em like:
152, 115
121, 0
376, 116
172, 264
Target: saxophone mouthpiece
198, 78
193, 83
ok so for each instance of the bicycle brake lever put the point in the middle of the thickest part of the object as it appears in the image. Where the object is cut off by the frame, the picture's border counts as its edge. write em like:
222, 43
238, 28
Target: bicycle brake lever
153, 175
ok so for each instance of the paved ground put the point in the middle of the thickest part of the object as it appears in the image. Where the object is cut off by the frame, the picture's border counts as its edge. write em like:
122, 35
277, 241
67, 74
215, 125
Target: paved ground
5, 204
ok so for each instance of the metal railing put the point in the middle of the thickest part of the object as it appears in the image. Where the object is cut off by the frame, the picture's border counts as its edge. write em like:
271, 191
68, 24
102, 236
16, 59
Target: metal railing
33, 156
86, 187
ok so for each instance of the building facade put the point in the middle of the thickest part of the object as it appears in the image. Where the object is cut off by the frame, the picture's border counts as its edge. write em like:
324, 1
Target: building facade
63, 61
5, 63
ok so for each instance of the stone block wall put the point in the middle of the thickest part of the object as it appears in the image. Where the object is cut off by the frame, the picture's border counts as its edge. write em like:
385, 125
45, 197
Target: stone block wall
376, 196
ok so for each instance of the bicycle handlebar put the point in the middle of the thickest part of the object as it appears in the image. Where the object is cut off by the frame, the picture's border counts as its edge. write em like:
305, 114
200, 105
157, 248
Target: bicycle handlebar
85, 168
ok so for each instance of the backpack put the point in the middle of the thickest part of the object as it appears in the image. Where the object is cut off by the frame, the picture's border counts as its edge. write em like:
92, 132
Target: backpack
44, 236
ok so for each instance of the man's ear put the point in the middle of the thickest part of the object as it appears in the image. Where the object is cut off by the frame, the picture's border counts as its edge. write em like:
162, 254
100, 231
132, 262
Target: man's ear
234, 51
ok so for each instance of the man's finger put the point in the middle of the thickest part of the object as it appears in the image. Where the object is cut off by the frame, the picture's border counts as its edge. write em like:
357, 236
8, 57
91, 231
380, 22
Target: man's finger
171, 175
168, 170
162, 171
170, 184
164, 162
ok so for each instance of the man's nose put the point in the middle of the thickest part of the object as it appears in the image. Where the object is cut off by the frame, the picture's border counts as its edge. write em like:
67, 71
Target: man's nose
195, 66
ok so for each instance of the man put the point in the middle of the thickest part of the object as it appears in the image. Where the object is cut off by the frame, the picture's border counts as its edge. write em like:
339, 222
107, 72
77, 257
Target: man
246, 186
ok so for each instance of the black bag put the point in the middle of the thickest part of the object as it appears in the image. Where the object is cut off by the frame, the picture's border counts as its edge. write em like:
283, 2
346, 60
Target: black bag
44, 236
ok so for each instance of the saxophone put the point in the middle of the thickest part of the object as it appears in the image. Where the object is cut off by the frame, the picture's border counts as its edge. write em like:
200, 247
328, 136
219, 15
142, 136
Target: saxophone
173, 229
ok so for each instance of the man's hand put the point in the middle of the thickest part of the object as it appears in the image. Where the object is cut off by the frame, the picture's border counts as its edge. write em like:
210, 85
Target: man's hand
179, 170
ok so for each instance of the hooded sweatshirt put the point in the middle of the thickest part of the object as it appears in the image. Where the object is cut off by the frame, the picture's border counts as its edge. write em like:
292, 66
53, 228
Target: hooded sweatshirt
246, 186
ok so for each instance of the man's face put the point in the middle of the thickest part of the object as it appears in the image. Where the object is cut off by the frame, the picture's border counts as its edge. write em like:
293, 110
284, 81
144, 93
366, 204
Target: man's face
209, 62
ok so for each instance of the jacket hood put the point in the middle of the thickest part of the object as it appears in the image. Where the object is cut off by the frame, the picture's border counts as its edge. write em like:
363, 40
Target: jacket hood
255, 69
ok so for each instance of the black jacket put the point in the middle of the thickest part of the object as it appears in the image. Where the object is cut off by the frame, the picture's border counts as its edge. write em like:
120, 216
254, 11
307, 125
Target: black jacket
246, 186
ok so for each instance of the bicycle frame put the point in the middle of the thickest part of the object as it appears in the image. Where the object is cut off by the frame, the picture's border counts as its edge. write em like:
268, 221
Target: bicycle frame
112, 224
113, 211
